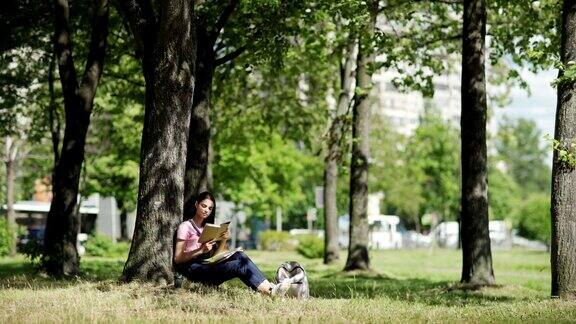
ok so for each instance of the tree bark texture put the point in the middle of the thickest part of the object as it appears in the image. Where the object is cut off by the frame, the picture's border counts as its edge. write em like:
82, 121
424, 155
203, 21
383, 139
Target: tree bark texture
60, 256
199, 151
358, 258
53, 113
197, 155
563, 207
476, 252
11, 152
123, 220
334, 156
169, 45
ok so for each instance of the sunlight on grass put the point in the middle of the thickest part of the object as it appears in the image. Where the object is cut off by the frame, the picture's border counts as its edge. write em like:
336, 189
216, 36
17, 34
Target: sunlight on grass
416, 285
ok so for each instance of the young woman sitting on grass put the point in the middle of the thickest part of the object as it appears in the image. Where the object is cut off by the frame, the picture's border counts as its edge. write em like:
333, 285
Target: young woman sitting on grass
188, 255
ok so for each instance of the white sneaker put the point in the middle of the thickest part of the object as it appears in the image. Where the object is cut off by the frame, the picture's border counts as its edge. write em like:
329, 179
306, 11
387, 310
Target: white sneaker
280, 289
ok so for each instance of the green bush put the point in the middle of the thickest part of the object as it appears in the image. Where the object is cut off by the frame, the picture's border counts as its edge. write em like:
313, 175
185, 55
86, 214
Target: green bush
310, 246
6, 237
534, 218
276, 241
102, 246
32, 250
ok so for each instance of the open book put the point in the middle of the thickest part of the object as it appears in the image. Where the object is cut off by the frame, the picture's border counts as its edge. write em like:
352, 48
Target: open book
222, 256
212, 232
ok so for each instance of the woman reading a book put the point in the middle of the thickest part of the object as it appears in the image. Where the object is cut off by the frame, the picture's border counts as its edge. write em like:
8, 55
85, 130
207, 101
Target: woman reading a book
189, 254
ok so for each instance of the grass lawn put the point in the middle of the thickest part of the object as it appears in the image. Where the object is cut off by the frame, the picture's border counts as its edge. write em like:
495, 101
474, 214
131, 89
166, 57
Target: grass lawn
409, 285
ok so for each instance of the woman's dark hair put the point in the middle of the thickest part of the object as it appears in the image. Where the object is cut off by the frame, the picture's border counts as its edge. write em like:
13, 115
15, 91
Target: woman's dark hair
199, 198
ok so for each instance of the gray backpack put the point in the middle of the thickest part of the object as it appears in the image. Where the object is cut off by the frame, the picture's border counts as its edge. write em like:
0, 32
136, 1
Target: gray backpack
294, 273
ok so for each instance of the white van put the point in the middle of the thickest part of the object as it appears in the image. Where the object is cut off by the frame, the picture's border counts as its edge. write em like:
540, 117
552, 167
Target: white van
383, 232
446, 234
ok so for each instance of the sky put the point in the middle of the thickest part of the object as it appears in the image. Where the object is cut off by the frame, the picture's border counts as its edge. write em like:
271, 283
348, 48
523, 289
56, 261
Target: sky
539, 105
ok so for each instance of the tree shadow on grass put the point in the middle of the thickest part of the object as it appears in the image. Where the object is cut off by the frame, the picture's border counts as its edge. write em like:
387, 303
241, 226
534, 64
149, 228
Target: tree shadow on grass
324, 284
19, 274
413, 290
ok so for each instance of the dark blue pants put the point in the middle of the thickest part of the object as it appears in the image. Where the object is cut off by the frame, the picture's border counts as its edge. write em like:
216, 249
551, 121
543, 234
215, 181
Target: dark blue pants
238, 265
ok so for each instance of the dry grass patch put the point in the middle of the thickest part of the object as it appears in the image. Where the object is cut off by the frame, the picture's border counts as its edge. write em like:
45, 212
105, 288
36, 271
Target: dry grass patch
404, 286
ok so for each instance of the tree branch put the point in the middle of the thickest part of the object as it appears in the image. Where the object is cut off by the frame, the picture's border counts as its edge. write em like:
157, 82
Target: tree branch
230, 56
401, 4
97, 52
223, 19
139, 17
125, 78
63, 49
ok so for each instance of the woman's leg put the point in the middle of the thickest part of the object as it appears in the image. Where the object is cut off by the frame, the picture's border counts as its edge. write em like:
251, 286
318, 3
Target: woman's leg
238, 265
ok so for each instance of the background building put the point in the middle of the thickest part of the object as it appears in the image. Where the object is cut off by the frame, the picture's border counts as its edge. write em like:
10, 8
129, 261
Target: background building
403, 110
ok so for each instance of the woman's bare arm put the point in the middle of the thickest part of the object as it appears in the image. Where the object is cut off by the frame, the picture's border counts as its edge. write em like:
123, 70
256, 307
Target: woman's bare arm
180, 256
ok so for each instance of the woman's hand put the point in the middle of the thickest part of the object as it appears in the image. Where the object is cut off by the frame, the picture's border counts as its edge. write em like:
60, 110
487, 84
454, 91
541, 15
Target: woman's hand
225, 236
207, 246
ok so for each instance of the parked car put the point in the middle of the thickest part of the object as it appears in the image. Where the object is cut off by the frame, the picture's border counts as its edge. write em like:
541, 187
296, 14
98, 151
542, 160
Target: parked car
413, 239
384, 232
34, 239
447, 234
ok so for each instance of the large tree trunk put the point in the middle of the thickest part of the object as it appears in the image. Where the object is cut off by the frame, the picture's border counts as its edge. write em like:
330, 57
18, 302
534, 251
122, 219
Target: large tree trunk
476, 253
563, 209
358, 246
169, 69
60, 256
197, 155
11, 152
334, 156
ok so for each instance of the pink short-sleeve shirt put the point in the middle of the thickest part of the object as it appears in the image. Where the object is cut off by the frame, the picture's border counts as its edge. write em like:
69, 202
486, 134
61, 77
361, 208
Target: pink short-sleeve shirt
187, 232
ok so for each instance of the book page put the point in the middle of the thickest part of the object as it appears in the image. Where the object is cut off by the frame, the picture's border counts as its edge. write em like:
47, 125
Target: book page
210, 232
222, 256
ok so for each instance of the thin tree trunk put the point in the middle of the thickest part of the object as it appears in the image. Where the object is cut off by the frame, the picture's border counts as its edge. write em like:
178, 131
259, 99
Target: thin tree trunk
199, 149
334, 156
53, 113
123, 219
169, 70
563, 209
476, 252
358, 247
60, 256
11, 151
197, 155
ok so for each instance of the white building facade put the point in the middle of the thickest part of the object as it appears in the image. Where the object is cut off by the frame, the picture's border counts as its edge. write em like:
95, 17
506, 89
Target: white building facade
403, 110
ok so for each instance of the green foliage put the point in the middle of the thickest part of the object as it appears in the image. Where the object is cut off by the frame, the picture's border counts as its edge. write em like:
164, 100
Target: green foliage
533, 218
566, 153
32, 250
391, 174
434, 150
536, 44
518, 146
310, 246
567, 75
504, 195
6, 237
425, 168
102, 246
276, 241
113, 141
262, 174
